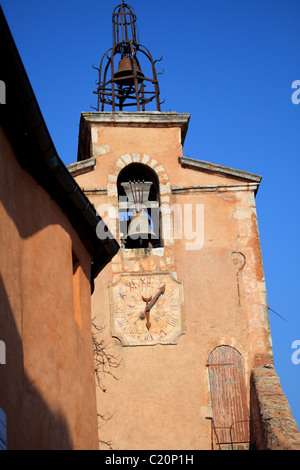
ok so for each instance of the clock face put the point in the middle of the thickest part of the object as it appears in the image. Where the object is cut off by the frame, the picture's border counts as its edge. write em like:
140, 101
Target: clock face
147, 309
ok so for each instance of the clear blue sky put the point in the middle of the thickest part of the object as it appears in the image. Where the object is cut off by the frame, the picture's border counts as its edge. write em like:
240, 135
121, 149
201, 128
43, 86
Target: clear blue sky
231, 64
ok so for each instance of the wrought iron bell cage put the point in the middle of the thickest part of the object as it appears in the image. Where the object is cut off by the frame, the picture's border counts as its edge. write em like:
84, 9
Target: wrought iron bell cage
121, 80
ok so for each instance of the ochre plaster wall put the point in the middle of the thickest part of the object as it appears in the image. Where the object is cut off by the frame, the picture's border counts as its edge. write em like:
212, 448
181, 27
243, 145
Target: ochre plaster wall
47, 384
162, 395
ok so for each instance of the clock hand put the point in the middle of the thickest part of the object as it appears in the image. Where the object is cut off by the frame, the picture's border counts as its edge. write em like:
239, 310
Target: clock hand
148, 324
161, 291
147, 311
149, 304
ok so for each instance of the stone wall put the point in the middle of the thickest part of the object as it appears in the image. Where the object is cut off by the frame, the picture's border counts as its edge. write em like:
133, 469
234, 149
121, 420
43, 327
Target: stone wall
272, 426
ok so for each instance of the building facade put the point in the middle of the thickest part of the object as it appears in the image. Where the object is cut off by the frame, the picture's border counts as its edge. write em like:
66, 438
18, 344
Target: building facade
212, 318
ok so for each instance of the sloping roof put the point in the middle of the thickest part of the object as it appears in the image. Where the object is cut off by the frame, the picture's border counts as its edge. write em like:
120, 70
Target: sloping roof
200, 165
24, 125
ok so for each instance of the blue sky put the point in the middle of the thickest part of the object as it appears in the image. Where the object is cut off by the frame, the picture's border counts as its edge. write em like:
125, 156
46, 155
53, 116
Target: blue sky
231, 64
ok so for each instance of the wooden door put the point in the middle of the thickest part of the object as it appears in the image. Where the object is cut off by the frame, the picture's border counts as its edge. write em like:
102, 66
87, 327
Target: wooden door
228, 395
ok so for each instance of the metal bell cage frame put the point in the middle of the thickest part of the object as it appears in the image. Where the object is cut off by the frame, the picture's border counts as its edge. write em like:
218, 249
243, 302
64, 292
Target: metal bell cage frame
125, 87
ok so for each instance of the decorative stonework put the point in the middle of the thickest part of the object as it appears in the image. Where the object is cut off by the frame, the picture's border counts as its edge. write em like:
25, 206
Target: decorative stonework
238, 260
144, 260
130, 321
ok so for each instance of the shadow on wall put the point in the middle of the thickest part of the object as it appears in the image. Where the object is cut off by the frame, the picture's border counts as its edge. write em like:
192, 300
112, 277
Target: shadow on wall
25, 202
31, 424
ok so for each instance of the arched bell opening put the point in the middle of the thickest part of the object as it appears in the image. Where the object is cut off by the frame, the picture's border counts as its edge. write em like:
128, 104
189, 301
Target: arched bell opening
139, 207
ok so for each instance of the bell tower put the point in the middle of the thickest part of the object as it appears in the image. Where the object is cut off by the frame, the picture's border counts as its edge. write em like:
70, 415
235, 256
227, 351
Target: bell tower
181, 310
122, 83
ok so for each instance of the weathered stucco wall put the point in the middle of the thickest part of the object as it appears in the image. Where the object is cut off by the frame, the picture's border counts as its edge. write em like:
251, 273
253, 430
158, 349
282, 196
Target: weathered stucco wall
47, 384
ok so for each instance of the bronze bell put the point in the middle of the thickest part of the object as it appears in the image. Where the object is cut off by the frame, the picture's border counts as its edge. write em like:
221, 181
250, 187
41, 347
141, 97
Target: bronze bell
139, 227
125, 70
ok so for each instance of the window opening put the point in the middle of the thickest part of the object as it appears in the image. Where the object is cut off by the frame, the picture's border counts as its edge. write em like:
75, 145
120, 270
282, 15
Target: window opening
139, 214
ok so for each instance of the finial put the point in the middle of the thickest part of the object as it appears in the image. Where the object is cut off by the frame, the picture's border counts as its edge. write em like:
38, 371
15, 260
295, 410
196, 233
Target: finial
121, 80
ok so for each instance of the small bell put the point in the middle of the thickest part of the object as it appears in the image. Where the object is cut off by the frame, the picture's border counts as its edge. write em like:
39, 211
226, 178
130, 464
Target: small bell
125, 70
139, 227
